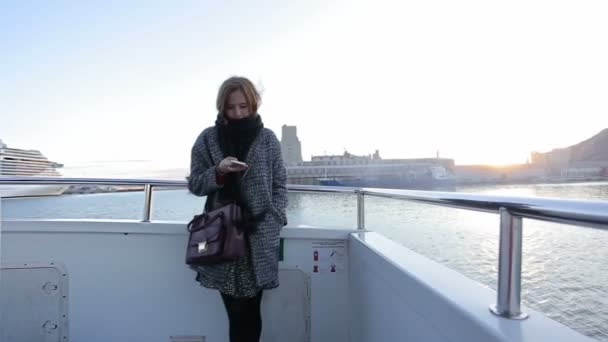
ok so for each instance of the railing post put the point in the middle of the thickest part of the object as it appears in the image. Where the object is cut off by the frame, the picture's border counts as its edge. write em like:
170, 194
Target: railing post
509, 267
147, 203
360, 210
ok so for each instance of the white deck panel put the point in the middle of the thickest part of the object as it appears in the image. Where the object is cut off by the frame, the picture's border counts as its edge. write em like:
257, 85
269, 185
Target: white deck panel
128, 282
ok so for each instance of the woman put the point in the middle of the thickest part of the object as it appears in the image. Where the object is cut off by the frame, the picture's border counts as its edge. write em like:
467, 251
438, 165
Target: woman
239, 160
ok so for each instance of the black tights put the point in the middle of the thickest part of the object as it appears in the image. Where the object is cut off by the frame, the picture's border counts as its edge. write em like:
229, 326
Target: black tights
244, 317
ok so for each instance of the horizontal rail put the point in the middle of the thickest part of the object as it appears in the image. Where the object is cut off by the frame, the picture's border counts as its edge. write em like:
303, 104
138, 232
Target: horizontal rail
569, 211
589, 213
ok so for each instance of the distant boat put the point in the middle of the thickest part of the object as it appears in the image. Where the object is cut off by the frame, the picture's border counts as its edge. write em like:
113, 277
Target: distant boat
16, 162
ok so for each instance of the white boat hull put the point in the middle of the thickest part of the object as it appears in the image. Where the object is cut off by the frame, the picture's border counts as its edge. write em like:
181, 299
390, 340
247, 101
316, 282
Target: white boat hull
31, 190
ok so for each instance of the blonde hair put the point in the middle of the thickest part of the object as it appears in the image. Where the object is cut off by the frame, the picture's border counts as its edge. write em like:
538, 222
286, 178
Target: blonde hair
244, 85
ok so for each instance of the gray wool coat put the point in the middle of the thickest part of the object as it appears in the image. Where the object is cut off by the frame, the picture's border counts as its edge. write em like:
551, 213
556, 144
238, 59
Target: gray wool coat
263, 186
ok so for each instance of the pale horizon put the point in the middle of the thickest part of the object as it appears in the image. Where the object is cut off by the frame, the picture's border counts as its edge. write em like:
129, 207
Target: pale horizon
481, 83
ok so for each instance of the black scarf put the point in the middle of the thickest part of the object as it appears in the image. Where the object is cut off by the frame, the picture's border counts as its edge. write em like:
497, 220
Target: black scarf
235, 138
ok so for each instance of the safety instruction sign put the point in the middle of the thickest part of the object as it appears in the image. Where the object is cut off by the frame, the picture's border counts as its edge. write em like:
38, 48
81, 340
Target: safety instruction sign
328, 256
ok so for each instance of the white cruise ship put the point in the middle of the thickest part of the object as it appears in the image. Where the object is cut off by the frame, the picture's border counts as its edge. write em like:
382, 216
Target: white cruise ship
16, 162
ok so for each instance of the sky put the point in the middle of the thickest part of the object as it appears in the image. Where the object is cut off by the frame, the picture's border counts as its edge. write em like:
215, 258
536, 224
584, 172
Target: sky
123, 88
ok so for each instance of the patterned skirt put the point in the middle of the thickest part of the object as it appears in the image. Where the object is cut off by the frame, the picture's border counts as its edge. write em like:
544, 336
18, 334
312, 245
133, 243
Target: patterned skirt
234, 278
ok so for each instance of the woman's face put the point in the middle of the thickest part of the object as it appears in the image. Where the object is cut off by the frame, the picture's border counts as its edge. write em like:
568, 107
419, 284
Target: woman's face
237, 107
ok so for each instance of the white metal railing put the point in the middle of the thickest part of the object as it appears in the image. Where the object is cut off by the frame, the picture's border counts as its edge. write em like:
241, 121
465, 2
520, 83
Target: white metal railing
510, 208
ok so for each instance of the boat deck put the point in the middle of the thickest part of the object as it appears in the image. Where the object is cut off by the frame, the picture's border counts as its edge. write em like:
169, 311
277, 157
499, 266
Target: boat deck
127, 281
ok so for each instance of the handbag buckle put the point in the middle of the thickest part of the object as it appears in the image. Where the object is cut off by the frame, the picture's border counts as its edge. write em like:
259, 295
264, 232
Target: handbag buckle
202, 246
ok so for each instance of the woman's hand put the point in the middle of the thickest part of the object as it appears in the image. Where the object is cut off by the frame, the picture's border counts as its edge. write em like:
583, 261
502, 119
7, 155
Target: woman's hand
230, 164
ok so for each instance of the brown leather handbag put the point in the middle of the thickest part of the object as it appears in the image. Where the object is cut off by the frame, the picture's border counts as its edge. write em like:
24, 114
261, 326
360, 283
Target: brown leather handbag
215, 236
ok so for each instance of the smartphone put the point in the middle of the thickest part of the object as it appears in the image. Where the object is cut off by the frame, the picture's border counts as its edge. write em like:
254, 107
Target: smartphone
239, 163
